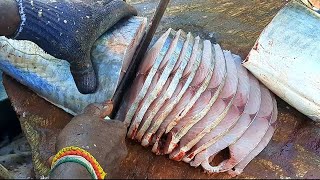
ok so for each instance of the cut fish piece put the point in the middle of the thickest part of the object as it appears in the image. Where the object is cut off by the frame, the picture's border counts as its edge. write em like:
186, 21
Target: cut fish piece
208, 98
286, 55
198, 105
204, 156
205, 72
177, 95
150, 64
177, 103
253, 135
165, 95
197, 87
238, 169
171, 58
210, 130
130, 97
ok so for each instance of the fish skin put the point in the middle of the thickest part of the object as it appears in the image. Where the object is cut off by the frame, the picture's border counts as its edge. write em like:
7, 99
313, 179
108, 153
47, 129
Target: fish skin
202, 157
289, 67
51, 79
170, 58
3, 94
150, 66
172, 83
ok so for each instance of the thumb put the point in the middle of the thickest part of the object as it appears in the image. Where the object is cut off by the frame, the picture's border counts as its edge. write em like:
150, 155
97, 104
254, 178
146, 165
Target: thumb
84, 75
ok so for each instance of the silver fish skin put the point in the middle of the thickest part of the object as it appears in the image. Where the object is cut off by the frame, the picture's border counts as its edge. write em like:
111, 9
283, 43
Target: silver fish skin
50, 77
286, 58
3, 94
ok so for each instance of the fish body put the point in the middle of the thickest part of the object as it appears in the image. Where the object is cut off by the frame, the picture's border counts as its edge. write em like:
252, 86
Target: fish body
51, 78
286, 58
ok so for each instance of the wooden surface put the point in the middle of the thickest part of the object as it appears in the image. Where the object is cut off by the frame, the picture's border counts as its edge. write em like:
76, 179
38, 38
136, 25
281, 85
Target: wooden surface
294, 151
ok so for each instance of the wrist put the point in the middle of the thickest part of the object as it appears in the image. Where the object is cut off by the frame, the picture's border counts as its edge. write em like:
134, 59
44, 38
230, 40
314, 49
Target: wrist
70, 170
78, 156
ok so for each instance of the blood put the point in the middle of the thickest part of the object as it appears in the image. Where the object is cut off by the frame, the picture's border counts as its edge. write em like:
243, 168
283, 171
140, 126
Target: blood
179, 156
255, 47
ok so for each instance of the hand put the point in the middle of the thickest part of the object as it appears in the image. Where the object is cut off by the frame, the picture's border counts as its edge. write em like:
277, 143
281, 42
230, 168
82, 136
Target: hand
103, 139
67, 29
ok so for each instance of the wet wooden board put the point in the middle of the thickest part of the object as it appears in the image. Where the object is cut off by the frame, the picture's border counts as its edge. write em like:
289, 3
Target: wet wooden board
294, 151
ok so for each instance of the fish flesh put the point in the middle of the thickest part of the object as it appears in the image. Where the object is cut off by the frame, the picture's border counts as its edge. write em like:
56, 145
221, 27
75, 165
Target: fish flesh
187, 77
51, 78
252, 136
189, 99
205, 155
152, 63
286, 58
165, 95
215, 128
238, 169
180, 126
213, 103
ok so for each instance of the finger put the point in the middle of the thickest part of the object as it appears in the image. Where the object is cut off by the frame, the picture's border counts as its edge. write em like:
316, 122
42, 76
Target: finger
93, 109
107, 109
84, 75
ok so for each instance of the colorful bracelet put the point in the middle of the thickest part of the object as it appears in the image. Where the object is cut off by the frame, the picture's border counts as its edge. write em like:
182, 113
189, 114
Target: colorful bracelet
67, 151
76, 159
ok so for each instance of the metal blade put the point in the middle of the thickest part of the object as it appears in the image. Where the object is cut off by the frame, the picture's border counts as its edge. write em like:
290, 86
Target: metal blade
128, 78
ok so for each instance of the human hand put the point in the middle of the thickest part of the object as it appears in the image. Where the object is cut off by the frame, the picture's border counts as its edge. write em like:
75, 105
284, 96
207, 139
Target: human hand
103, 139
67, 29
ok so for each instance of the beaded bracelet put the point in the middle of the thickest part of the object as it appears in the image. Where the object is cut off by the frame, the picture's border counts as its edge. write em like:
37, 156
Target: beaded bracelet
72, 150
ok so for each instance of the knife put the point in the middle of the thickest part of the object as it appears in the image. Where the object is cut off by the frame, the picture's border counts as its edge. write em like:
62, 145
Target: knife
128, 78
